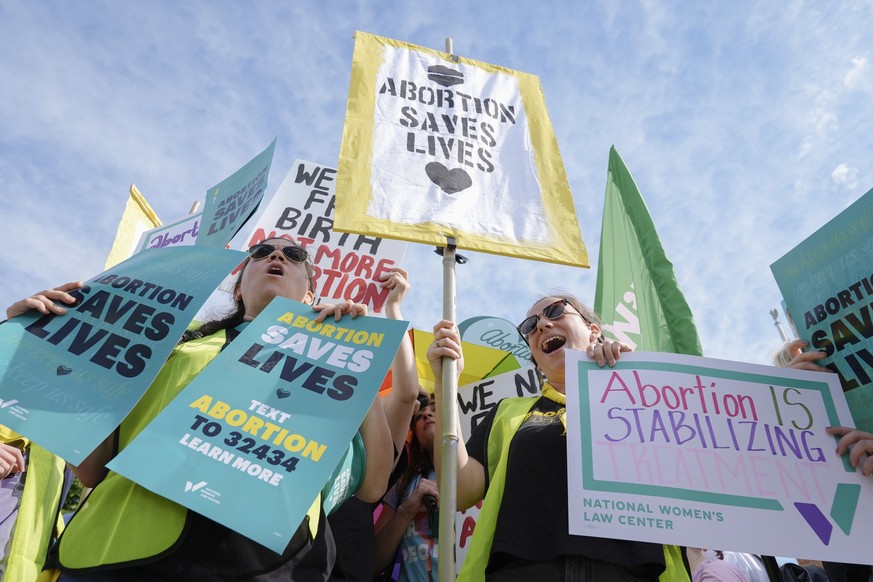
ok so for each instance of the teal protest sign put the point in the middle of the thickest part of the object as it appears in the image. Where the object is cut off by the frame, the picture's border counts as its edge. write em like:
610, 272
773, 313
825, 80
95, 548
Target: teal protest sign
253, 438
827, 283
234, 200
66, 381
693, 451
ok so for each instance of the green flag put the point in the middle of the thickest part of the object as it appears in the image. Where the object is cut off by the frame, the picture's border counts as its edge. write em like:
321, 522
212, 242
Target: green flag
637, 292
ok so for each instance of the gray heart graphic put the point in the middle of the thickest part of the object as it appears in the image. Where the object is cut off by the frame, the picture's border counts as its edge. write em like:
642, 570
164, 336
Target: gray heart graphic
449, 181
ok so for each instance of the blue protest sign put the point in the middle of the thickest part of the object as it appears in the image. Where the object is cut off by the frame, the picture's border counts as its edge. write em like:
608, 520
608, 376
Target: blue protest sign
827, 284
254, 437
233, 200
66, 381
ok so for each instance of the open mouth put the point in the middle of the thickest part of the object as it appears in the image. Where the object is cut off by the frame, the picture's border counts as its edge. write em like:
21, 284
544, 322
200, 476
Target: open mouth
553, 343
275, 271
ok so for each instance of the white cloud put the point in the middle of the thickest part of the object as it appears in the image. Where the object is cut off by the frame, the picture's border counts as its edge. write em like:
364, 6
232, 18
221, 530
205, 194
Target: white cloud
845, 175
856, 73
711, 107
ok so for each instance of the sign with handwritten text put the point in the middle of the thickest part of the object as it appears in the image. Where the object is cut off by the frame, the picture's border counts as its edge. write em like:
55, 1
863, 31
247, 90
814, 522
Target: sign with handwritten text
66, 381
251, 441
180, 233
348, 267
708, 453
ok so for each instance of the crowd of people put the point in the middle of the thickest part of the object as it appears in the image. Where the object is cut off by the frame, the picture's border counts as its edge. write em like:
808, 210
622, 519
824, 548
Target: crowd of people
515, 462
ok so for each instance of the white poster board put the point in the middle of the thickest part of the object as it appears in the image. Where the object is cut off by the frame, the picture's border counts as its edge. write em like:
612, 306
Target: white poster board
708, 453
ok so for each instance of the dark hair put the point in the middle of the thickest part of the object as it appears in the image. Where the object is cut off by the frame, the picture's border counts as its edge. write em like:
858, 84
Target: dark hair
420, 461
237, 316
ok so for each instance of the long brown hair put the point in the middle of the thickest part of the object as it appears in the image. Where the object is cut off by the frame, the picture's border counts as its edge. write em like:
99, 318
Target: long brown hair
420, 461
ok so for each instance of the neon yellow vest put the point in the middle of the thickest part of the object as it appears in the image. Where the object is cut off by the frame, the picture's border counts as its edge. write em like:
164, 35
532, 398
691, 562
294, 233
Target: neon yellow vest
120, 521
38, 516
509, 416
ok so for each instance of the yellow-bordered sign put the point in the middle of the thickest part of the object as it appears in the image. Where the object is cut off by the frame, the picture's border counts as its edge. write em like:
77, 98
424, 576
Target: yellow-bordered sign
437, 146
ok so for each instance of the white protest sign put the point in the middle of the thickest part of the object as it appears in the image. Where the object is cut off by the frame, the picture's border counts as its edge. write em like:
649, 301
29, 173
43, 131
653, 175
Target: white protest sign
348, 267
708, 453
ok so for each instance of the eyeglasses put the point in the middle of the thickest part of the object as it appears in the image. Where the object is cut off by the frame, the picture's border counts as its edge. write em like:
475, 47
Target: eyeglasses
292, 253
552, 311
424, 404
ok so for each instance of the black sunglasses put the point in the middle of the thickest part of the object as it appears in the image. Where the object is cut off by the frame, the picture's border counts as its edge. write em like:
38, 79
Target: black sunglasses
423, 401
293, 254
551, 311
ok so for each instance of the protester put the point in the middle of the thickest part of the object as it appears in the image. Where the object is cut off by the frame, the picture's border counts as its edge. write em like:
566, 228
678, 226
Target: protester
709, 566
352, 523
33, 488
749, 564
792, 355
408, 518
853, 442
522, 531
124, 532
33, 485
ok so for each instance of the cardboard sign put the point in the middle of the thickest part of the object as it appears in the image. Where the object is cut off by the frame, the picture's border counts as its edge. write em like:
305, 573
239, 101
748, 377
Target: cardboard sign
180, 233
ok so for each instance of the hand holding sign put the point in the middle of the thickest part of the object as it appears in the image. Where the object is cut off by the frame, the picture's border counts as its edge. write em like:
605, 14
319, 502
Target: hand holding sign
337, 310
45, 301
78, 367
857, 444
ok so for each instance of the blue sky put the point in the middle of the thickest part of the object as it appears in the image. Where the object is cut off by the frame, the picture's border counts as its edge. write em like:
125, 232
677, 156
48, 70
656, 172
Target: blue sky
746, 125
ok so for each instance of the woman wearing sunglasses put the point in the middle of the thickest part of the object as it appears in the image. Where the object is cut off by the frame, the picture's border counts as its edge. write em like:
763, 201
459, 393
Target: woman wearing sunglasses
126, 533
516, 460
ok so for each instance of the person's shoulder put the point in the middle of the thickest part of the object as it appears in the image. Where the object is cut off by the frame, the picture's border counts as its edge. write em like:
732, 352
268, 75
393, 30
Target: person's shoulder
715, 570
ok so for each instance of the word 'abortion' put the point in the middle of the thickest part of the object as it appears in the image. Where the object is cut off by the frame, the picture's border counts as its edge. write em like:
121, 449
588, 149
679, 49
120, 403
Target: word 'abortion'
844, 323
239, 205
86, 334
450, 136
701, 416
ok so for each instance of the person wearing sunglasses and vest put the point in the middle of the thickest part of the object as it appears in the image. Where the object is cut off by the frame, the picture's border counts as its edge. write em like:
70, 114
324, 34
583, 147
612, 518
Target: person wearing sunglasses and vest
124, 532
516, 461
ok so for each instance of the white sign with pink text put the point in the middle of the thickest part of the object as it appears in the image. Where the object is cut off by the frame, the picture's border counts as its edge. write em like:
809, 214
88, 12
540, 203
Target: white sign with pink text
708, 453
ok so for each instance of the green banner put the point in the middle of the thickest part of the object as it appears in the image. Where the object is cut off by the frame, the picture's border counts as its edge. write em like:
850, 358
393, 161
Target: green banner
637, 293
